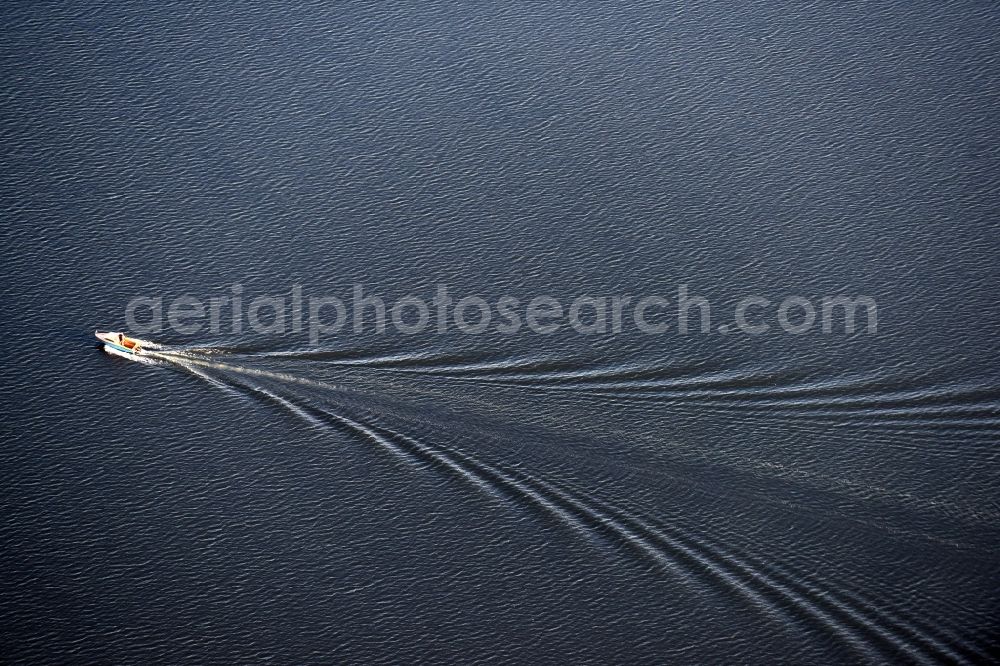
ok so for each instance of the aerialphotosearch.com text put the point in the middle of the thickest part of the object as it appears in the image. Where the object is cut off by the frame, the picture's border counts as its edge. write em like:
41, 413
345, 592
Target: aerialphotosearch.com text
684, 312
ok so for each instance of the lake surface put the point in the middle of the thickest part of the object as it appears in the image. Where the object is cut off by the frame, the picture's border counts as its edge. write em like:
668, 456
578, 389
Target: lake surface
560, 497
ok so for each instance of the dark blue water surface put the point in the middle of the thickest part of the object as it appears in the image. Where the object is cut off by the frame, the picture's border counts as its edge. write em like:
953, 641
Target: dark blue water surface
532, 498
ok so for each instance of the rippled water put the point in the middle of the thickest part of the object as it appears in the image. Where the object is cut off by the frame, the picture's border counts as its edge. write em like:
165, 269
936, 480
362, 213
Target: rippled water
535, 498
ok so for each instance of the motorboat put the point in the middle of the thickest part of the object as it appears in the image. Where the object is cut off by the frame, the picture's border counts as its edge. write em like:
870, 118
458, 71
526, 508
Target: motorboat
116, 342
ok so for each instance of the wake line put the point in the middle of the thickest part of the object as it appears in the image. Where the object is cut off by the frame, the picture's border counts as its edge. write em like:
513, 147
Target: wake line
750, 389
761, 387
182, 358
418, 361
768, 587
806, 395
926, 407
681, 554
